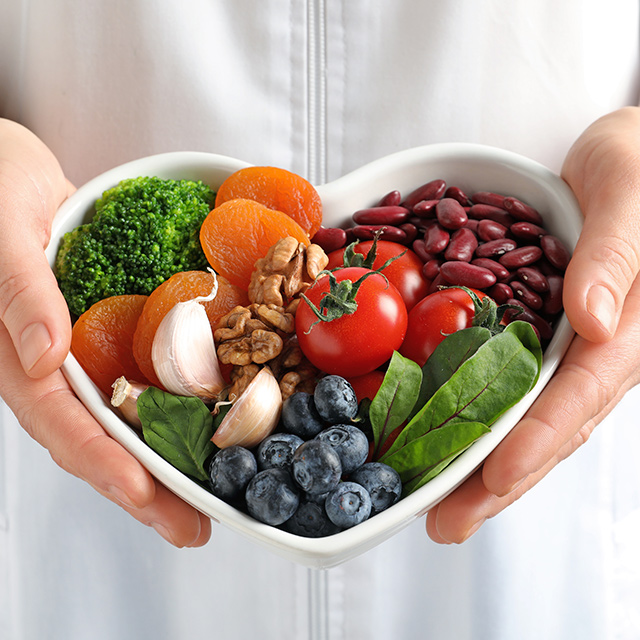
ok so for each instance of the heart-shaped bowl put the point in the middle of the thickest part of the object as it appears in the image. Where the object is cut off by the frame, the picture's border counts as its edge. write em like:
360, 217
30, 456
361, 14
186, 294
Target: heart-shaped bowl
468, 166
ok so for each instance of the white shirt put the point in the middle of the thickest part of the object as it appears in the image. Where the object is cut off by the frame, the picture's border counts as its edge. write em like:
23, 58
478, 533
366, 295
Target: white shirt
318, 87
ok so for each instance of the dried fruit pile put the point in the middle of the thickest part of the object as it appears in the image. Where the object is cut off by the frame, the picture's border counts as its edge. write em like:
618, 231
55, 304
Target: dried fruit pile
276, 378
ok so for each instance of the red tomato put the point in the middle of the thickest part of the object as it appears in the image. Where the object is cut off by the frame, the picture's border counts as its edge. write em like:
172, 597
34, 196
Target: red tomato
358, 343
433, 318
405, 273
367, 386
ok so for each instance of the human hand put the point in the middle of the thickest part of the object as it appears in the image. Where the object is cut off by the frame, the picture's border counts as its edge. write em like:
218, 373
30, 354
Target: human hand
602, 302
35, 333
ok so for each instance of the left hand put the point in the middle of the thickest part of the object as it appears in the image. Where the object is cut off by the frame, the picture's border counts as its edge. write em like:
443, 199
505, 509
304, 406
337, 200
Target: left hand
602, 302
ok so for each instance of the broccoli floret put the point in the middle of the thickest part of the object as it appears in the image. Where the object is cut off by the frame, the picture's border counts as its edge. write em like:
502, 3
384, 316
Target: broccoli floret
144, 230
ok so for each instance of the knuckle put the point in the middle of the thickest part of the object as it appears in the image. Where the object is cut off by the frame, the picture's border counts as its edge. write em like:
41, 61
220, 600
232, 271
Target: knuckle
12, 291
620, 256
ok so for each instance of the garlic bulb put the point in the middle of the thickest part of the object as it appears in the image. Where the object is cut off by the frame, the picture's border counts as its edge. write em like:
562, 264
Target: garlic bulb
184, 354
254, 415
125, 397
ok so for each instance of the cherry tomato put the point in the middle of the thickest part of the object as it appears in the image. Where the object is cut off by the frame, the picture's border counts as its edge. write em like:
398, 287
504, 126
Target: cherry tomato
405, 273
367, 386
358, 343
435, 317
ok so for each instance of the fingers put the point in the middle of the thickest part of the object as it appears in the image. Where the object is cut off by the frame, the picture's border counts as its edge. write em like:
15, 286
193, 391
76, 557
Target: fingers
32, 186
589, 382
603, 169
53, 416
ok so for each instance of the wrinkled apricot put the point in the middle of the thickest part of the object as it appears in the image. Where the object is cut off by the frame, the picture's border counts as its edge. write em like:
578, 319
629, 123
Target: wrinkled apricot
239, 232
183, 286
102, 340
277, 189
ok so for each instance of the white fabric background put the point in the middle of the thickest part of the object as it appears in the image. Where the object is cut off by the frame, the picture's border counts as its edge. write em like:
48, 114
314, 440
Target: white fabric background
106, 81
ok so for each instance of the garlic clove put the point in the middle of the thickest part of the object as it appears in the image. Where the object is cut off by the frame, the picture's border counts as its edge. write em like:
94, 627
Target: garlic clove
125, 398
184, 354
254, 415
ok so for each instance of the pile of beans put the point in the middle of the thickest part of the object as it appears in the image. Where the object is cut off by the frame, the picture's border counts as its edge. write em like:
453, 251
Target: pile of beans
486, 241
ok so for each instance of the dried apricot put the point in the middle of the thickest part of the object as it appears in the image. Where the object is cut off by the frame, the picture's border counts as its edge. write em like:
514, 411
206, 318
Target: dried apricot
102, 339
185, 285
277, 189
239, 232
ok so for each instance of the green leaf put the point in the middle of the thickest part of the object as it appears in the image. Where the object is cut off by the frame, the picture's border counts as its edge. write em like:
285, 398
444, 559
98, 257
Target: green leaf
447, 358
178, 428
395, 399
525, 333
423, 458
496, 377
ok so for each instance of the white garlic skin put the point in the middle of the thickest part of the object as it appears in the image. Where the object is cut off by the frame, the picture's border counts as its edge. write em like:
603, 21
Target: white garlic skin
254, 415
184, 354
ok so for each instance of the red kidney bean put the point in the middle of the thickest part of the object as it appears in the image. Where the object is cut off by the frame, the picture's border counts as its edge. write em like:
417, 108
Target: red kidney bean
392, 199
522, 211
528, 315
533, 278
458, 194
330, 238
481, 211
552, 304
472, 225
501, 292
462, 246
436, 239
495, 248
420, 250
527, 295
491, 230
367, 231
438, 282
488, 197
501, 273
389, 215
433, 190
425, 208
465, 274
410, 230
431, 269
520, 257
555, 252
527, 231
451, 214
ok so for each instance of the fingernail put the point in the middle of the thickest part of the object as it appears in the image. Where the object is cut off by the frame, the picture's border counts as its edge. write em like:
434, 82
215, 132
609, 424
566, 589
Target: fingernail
474, 529
602, 306
121, 496
35, 341
163, 531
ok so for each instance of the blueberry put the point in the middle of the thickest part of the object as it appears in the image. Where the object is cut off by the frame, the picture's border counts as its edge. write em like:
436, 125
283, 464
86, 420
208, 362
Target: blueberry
335, 400
350, 443
300, 416
316, 467
382, 482
230, 471
277, 450
348, 504
272, 496
311, 521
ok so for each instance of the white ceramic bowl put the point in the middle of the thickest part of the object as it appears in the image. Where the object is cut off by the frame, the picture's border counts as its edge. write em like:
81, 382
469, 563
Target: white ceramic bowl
471, 167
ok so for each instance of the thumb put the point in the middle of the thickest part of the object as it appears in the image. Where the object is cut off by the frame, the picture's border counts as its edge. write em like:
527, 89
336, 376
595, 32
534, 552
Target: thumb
603, 169
32, 186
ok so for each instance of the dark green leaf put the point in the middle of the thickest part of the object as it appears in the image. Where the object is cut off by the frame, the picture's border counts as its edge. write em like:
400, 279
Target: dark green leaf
178, 428
423, 458
396, 397
447, 358
525, 333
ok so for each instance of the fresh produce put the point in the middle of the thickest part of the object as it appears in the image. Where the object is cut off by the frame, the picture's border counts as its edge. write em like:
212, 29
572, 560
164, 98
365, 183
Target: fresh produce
144, 230
355, 320
311, 391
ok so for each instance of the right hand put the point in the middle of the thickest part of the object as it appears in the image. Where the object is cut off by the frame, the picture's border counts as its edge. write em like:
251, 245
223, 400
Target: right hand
35, 335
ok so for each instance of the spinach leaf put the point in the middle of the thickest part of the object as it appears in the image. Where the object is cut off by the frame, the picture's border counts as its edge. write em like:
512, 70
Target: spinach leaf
422, 459
395, 399
447, 358
178, 428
